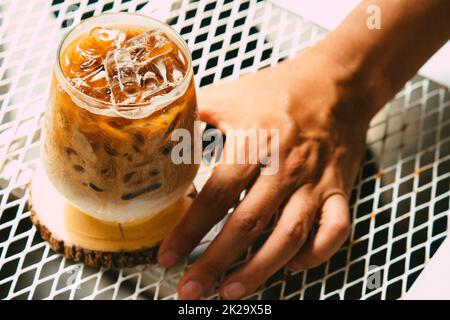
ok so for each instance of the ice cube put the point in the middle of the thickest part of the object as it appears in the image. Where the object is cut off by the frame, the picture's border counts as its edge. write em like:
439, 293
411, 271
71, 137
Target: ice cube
145, 66
108, 37
84, 66
151, 80
122, 76
172, 68
93, 84
149, 45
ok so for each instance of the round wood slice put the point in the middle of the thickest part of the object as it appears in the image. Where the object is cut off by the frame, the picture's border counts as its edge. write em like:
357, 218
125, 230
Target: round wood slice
82, 238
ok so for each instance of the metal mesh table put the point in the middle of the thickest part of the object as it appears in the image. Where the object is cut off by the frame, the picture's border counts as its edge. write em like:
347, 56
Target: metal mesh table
399, 204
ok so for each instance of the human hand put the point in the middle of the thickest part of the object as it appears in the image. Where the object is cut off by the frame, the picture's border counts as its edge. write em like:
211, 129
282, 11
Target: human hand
322, 132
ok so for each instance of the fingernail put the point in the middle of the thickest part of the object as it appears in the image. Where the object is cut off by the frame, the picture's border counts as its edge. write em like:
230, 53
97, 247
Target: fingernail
234, 290
192, 290
168, 259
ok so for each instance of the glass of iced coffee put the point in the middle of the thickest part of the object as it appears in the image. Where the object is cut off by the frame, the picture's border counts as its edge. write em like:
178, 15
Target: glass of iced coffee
122, 84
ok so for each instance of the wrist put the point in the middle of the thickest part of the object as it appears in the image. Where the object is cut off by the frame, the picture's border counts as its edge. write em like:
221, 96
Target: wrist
347, 87
377, 62
358, 81
324, 95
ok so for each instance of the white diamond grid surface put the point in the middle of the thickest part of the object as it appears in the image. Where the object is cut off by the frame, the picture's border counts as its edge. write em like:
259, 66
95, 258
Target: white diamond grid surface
399, 203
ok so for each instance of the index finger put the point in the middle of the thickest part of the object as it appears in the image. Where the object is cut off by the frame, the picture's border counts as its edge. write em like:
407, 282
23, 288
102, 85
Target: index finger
209, 207
245, 224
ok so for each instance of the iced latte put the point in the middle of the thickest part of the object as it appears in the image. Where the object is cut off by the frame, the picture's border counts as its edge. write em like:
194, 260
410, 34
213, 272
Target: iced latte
123, 84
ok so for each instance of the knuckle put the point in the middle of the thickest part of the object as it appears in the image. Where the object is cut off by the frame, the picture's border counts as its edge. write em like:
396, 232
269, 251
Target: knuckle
294, 166
211, 268
217, 195
217, 191
302, 159
296, 232
247, 224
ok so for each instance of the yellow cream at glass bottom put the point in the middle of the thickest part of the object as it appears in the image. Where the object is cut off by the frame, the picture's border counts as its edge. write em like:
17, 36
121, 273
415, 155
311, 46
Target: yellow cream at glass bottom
72, 225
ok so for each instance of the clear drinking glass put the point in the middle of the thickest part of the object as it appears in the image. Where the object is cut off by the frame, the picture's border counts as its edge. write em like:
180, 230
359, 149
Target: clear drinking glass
122, 83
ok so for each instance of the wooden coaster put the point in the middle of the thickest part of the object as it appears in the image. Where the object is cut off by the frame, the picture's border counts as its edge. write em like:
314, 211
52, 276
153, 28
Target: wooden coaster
82, 238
